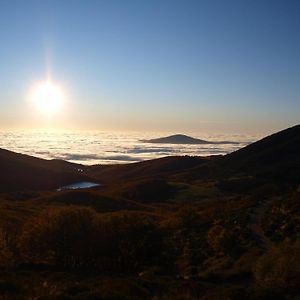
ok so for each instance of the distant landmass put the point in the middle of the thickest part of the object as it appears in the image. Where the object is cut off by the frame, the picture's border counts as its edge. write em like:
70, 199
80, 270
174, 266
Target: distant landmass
184, 139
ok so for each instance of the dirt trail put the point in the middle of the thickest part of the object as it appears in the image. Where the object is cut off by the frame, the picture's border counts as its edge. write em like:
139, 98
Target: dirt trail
255, 225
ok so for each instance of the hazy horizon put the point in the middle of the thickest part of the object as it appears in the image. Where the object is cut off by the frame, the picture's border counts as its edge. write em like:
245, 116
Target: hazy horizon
200, 132
94, 147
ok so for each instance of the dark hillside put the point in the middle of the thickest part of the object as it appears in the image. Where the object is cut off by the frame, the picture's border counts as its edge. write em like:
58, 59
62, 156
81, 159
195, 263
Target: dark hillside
88, 198
275, 157
161, 167
282, 146
23, 172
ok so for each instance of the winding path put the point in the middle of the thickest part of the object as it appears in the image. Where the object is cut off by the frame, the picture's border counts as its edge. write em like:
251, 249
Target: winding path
256, 217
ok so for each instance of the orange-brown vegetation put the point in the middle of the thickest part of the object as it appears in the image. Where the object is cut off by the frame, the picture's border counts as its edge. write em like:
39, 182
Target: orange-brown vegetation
172, 228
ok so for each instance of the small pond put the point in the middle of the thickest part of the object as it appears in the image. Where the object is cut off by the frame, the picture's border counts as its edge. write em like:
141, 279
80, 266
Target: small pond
79, 185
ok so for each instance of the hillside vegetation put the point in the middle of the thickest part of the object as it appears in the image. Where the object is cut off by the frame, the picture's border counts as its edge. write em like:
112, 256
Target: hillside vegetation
223, 227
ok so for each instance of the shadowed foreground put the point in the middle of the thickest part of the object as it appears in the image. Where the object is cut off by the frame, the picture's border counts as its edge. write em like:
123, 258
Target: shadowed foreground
172, 228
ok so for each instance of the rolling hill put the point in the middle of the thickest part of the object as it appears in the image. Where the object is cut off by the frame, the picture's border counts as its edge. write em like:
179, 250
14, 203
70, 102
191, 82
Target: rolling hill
23, 172
276, 157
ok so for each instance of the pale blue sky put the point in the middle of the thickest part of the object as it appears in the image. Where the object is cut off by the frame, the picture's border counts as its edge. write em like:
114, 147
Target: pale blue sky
154, 65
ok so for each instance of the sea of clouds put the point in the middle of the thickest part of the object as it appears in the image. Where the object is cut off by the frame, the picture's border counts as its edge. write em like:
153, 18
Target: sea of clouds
92, 147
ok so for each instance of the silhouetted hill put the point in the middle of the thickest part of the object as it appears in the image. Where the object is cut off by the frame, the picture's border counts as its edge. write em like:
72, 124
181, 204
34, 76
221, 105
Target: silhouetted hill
276, 156
283, 145
23, 172
160, 167
183, 139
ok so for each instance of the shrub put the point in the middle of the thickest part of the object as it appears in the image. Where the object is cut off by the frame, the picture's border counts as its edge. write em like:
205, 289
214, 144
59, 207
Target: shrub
62, 237
130, 242
223, 241
188, 218
280, 267
6, 255
76, 237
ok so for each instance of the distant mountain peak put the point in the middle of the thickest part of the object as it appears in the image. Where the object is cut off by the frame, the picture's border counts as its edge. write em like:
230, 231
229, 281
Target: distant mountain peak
183, 139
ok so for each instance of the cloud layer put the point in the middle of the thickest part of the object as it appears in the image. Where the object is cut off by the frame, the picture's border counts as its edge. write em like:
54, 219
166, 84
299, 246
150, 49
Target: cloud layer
106, 148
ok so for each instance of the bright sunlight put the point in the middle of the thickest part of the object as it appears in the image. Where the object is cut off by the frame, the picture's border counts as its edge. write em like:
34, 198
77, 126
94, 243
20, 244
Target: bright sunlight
47, 97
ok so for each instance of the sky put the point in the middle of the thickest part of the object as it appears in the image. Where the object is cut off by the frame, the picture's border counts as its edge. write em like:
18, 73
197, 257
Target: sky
153, 65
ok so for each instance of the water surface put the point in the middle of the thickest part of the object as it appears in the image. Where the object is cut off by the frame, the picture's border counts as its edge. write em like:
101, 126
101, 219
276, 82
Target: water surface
79, 185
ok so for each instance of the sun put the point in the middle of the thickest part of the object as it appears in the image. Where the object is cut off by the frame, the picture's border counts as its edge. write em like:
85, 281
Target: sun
47, 97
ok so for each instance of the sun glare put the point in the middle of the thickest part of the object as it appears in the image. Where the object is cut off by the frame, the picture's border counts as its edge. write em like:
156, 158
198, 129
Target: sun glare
47, 97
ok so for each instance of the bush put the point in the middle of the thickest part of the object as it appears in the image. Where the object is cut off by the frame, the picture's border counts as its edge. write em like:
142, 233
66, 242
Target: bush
6, 255
188, 218
76, 237
280, 268
63, 237
223, 241
130, 242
